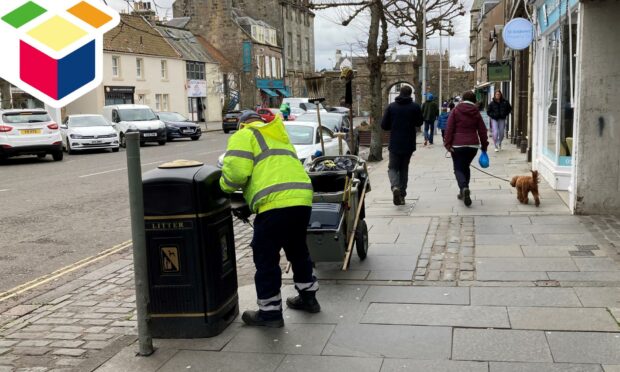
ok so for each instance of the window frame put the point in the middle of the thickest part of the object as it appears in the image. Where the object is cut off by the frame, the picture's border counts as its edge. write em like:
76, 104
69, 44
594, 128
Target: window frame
163, 69
139, 68
116, 64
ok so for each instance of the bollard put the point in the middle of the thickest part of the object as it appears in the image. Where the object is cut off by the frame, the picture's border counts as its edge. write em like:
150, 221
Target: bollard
136, 204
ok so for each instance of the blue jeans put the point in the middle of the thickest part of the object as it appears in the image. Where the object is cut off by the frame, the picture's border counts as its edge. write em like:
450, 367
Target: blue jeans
429, 130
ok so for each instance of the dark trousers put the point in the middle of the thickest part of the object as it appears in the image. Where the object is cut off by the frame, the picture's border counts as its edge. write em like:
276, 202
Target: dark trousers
274, 230
398, 171
462, 158
429, 131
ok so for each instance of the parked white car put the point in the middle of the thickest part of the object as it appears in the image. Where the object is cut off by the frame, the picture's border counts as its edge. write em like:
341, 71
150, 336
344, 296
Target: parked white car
86, 132
29, 132
305, 137
136, 118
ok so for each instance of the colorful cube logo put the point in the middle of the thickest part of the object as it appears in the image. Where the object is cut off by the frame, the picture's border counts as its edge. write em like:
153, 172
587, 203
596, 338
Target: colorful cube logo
53, 49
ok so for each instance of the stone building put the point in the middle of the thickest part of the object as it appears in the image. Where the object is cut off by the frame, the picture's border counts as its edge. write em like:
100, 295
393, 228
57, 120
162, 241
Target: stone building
250, 44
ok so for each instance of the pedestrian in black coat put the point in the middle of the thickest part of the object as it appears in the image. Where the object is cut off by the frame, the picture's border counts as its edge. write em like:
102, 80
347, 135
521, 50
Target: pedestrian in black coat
498, 111
402, 117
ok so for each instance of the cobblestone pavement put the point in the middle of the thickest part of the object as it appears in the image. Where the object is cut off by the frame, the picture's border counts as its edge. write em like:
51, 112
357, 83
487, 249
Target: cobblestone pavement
59, 333
606, 229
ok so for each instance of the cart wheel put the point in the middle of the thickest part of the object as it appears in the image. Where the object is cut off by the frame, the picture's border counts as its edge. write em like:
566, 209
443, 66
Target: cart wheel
361, 239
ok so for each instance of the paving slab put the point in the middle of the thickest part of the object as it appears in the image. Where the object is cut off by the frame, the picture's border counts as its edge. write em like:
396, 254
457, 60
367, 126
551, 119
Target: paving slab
502, 220
411, 365
548, 250
529, 296
212, 343
565, 238
611, 368
437, 315
590, 276
495, 229
400, 275
383, 238
596, 264
543, 367
418, 295
544, 228
555, 220
126, 360
599, 296
303, 363
585, 347
293, 338
511, 276
208, 361
391, 341
498, 250
408, 248
500, 345
525, 264
521, 239
562, 319
339, 304
387, 263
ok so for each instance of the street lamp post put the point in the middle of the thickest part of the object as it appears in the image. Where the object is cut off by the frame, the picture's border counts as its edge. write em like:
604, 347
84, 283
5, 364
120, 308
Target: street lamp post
423, 51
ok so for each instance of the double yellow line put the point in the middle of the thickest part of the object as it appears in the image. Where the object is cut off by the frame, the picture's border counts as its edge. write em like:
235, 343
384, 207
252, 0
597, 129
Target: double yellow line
63, 271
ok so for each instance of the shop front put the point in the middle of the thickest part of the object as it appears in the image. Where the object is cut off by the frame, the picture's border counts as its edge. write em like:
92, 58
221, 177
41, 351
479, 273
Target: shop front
554, 98
272, 92
197, 99
118, 95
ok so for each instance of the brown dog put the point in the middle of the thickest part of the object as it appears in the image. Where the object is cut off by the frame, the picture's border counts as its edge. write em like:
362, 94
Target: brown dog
524, 185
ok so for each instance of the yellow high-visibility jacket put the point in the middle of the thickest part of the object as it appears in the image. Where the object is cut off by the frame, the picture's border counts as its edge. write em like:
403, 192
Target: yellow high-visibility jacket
261, 161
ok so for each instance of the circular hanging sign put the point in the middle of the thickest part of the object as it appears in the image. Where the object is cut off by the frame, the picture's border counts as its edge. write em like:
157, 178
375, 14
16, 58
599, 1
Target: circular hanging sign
518, 34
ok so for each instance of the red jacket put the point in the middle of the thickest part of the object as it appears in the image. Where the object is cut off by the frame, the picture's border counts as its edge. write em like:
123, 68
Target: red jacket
466, 127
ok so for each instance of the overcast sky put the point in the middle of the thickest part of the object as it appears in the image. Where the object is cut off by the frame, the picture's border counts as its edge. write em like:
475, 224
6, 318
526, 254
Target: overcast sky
330, 35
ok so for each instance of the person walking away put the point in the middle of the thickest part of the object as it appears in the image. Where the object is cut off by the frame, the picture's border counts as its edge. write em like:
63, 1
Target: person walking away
442, 121
402, 117
261, 161
430, 111
498, 111
466, 133
285, 109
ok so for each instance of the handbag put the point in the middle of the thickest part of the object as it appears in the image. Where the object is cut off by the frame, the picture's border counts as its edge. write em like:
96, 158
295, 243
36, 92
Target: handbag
483, 160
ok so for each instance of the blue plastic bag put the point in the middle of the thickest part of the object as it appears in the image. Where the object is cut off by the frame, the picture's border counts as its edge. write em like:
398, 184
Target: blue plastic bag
484, 159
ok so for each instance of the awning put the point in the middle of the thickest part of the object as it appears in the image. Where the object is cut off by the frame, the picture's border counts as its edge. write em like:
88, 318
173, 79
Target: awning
284, 92
269, 92
483, 85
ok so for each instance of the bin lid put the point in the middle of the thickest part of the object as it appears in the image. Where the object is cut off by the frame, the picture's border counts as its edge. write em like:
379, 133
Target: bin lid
181, 163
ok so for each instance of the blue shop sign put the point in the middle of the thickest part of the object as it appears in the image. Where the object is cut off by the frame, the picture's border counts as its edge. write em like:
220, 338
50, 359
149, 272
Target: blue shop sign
247, 56
551, 11
518, 34
269, 84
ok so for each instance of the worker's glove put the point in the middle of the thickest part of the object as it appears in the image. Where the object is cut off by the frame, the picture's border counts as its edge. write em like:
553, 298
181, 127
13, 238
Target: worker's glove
243, 213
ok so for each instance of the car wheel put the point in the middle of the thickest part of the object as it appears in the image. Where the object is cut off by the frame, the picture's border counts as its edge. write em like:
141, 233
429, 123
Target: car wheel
195, 138
161, 143
68, 148
123, 140
169, 139
142, 143
116, 149
57, 155
226, 130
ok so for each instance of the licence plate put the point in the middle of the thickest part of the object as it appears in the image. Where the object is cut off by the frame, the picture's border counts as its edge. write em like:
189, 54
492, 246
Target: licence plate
231, 120
95, 142
150, 134
29, 131
188, 131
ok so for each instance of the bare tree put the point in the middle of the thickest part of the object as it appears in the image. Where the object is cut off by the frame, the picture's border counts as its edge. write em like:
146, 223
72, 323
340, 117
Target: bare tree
376, 49
408, 17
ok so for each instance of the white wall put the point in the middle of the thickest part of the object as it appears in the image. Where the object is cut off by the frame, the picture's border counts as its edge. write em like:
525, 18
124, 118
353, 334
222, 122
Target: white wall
597, 158
150, 85
215, 92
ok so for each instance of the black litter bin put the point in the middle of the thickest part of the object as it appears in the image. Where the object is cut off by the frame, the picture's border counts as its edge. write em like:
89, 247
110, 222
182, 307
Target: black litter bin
190, 250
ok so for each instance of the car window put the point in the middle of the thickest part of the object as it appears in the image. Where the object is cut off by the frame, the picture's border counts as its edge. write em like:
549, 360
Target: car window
88, 121
25, 117
300, 134
171, 116
327, 132
137, 114
115, 116
329, 121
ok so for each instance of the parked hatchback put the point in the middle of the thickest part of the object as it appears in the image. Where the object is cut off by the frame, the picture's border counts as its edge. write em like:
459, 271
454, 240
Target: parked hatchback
136, 118
178, 126
29, 132
88, 132
230, 121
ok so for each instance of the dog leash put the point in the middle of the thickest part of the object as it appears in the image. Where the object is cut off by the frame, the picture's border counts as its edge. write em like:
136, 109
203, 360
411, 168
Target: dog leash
448, 156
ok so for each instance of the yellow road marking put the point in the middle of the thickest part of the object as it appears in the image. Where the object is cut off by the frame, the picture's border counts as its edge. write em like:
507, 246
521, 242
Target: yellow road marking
63, 271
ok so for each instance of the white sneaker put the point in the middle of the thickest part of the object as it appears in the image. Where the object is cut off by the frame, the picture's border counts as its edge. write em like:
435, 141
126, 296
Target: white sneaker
496, 150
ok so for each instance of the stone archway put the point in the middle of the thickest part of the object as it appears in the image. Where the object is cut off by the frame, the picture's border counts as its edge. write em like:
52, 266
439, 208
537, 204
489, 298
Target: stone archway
392, 90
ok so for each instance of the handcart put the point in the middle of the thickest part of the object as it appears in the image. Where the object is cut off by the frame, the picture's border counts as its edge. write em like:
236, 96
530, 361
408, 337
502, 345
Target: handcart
337, 223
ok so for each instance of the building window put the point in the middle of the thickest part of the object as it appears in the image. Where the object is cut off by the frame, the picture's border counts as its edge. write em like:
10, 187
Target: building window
258, 71
289, 46
274, 70
164, 69
307, 49
195, 70
116, 66
268, 67
162, 102
139, 68
299, 48
141, 99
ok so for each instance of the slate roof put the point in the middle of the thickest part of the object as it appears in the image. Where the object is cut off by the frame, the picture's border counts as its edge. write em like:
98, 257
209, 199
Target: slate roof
185, 44
136, 35
179, 22
214, 53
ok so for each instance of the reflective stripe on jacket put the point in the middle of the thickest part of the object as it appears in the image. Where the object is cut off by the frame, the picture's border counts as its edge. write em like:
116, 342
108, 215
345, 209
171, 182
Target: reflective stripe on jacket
261, 161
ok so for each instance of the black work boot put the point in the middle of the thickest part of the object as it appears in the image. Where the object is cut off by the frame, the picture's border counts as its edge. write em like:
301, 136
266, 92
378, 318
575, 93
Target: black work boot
306, 301
467, 196
396, 195
257, 319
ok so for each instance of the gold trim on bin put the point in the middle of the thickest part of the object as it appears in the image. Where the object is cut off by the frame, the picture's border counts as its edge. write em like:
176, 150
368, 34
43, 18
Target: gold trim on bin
196, 315
184, 216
